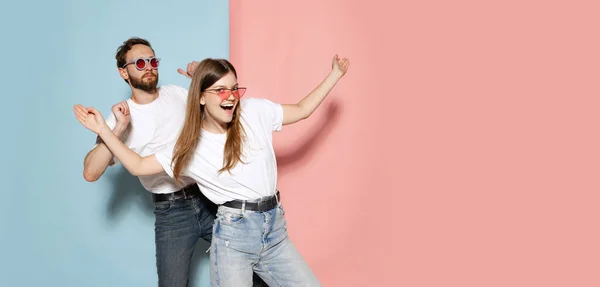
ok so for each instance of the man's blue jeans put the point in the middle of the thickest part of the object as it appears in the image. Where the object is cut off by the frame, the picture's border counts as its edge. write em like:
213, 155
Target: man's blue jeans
179, 225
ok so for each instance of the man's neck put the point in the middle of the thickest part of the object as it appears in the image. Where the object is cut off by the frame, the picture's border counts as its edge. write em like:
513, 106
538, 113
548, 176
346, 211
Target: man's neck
143, 97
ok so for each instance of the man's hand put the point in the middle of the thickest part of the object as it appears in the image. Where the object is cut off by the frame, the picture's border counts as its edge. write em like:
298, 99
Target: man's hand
121, 112
191, 68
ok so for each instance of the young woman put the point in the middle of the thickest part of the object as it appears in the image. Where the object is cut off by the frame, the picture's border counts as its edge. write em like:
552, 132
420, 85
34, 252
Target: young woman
226, 146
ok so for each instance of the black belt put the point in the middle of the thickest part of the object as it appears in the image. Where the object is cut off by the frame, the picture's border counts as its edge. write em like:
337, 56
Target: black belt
264, 204
189, 191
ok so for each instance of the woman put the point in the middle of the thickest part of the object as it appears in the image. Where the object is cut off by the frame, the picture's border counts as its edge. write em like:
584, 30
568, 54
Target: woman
226, 146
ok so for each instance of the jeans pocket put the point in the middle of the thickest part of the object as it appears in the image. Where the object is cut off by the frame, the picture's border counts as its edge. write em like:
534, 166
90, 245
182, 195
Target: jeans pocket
230, 218
162, 207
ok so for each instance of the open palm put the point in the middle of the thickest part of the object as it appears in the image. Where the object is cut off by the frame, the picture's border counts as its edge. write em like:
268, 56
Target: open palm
90, 118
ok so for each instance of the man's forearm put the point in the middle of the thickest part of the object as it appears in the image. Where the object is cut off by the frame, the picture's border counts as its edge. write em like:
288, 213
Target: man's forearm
98, 159
132, 161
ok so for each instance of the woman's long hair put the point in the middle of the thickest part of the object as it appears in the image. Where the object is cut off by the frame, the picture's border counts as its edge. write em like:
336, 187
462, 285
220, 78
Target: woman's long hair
208, 72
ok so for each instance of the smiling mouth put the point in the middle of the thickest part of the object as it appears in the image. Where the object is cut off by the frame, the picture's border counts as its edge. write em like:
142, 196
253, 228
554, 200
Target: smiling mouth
227, 107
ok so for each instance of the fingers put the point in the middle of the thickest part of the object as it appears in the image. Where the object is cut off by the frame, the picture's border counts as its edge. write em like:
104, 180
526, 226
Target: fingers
189, 72
93, 111
79, 107
121, 107
116, 108
179, 70
345, 63
83, 116
80, 120
80, 114
124, 108
183, 73
189, 69
80, 111
192, 67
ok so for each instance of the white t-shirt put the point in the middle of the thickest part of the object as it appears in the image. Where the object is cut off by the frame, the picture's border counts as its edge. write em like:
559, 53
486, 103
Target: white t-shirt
256, 177
152, 127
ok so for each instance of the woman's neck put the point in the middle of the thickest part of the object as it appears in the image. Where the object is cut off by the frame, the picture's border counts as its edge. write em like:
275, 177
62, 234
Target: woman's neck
210, 125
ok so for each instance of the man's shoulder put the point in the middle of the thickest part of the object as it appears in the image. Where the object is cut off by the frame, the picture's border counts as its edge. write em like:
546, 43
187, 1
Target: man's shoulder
173, 91
170, 88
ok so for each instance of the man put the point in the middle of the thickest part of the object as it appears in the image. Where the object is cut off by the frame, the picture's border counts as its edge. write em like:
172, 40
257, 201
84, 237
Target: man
145, 123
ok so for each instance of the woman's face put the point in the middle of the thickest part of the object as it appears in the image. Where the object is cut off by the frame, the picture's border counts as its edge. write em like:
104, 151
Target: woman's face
221, 99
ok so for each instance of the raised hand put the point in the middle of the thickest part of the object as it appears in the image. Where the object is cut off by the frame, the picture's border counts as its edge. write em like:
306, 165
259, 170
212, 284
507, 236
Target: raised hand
121, 112
90, 118
191, 68
340, 66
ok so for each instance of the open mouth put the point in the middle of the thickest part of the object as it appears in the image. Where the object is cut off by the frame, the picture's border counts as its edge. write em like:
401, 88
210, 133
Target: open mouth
227, 106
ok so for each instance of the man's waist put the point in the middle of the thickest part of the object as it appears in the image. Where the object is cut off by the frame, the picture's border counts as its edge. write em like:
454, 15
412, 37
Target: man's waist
163, 183
189, 191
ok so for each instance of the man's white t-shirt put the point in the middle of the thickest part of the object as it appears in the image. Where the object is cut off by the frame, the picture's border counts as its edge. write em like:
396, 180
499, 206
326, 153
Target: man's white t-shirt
253, 178
152, 127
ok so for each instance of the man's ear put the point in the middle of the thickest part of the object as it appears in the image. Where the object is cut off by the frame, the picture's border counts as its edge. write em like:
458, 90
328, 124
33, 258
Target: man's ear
124, 74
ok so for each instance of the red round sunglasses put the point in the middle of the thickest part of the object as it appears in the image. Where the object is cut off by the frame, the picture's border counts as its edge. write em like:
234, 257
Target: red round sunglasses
140, 63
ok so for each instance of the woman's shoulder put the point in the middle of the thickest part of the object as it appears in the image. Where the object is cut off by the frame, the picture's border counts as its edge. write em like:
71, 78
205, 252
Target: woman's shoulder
256, 104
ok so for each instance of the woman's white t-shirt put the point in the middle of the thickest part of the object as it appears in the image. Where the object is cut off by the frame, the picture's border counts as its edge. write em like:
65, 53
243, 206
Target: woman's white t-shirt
255, 176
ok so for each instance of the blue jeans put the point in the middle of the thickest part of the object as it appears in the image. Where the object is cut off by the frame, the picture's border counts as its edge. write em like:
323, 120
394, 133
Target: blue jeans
249, 241
179, 224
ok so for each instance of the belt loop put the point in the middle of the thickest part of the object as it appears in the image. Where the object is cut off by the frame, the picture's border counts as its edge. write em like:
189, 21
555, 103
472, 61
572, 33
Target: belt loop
277, 196
243, 206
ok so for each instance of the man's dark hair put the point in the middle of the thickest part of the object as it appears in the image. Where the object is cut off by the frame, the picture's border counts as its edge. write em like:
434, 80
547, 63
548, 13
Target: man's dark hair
123, 49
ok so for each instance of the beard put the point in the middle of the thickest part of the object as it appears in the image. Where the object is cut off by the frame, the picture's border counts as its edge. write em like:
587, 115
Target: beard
145, 84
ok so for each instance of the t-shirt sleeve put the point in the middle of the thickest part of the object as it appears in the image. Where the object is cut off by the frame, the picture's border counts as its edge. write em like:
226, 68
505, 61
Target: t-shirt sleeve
270, 113
164, 156
181, 92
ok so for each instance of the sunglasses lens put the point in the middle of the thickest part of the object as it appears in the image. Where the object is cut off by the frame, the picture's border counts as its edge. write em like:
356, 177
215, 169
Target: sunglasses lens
239, 93
154, 63
223, 94
140, 63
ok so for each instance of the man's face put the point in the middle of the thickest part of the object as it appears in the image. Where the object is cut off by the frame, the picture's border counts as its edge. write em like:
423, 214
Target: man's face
145, 79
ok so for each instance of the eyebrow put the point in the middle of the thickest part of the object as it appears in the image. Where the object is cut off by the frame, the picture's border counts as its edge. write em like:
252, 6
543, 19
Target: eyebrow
144, 57
221, 86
